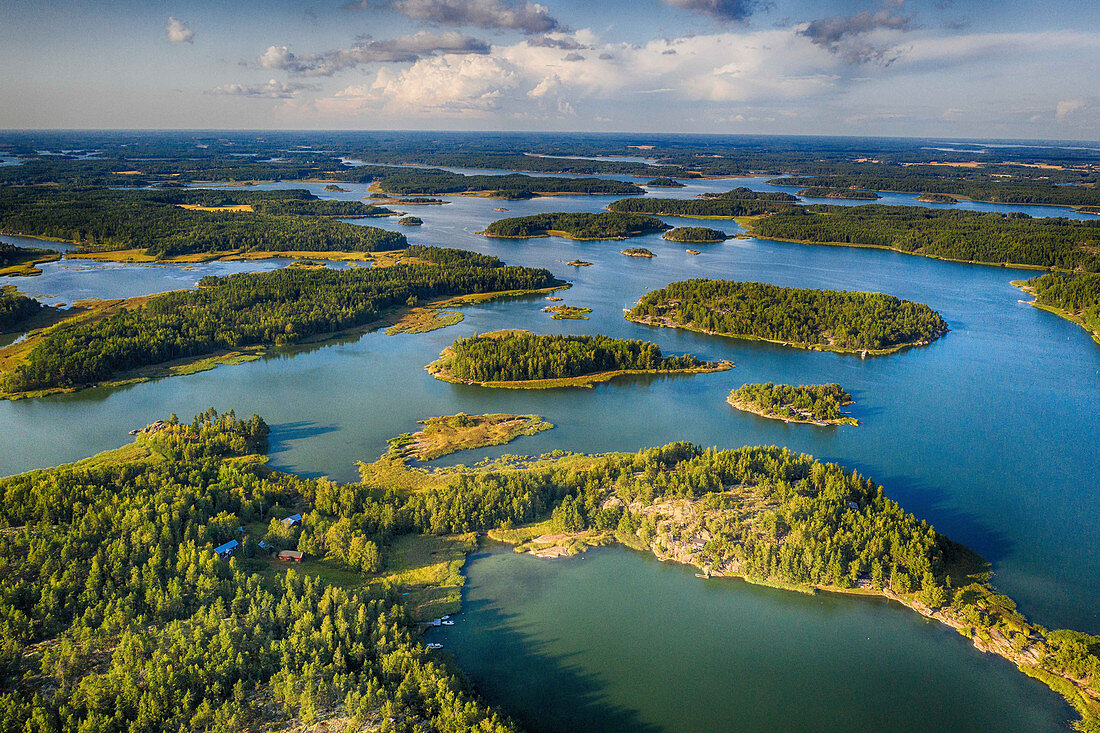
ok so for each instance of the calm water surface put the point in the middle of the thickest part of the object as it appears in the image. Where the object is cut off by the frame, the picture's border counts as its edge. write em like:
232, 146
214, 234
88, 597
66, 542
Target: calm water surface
615, 641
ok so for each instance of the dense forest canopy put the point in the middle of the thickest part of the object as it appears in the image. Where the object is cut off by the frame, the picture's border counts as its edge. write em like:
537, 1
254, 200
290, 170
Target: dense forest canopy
843, 320
116, 615
698, 235
576, 225
816, 401
1077, 295
830, 192
16, 309
285, 306
980, 186
521, 356
970, 236
741, 192
103, 220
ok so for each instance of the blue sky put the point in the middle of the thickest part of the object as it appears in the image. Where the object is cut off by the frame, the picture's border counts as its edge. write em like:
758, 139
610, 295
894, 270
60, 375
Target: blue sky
952, 68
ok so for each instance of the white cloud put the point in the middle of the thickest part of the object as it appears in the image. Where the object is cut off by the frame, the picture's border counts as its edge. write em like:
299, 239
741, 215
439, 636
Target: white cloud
1067, 107
178, 31
448, 85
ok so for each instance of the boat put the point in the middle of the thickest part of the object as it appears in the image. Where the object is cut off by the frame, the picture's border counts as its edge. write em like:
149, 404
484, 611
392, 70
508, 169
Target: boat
448, 623
433, 645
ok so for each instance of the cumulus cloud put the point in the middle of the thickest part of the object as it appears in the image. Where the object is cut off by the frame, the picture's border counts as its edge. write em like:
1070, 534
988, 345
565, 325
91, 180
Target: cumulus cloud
178, 31
848, 36
527, 17
722, 11
271, 90
449, 85
1067, 107
404, 49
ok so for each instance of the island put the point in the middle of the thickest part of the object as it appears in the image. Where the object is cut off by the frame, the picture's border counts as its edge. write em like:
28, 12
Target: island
582, 226
937, 198
523, 360
950, 234
816, 404
637, 252
830, 192
444, 435
333, 188
236, 318
578, 263
743, 193
711, 208
567, 312
693, 251
512, 186
664, 182
1073, 296
829, 320
24, 261
410, 221
379, 555
696, 235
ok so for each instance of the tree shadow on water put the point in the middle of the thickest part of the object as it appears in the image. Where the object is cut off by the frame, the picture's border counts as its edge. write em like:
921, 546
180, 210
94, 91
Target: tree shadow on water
544, 691
283, 435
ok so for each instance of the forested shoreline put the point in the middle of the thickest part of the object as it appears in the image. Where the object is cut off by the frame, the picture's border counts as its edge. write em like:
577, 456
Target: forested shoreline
276, 308
833, 319
1072, 296
969, 236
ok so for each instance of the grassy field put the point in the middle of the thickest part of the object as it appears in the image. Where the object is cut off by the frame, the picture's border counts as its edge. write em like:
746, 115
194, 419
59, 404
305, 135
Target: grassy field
447, 434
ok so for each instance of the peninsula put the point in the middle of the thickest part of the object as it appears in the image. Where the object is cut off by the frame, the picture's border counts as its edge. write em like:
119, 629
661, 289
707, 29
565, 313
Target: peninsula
523, 360
765, 514
828, 320
1075, 297
817, 404
236, 318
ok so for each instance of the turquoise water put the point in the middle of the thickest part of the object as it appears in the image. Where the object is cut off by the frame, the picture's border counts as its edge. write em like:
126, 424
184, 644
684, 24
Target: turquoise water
614, 641
990, 433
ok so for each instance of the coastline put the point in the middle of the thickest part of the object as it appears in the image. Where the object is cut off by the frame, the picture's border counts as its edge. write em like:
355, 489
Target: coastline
746, 407
1027, 656
1061, 313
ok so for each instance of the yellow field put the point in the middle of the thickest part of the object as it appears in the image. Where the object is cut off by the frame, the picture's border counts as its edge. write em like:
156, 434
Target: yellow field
234, 207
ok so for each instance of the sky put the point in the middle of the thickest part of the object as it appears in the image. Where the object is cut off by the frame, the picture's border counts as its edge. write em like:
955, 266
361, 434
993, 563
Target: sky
928, 68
